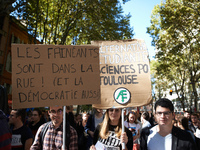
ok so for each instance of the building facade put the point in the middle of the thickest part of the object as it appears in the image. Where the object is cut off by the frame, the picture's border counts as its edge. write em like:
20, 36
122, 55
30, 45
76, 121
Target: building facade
11, 32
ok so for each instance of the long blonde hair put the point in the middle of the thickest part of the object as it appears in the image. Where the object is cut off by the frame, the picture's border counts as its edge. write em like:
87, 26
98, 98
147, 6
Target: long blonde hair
104, 127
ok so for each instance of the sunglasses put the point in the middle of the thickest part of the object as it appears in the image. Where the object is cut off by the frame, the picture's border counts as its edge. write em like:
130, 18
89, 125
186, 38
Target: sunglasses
132, 112
112, 110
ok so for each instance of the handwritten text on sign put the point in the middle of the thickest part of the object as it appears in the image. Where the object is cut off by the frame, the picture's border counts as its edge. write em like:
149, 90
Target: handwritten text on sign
45, 75
124, 64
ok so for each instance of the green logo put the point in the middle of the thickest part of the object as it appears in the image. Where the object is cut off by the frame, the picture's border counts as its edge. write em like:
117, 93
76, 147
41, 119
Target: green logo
122, 95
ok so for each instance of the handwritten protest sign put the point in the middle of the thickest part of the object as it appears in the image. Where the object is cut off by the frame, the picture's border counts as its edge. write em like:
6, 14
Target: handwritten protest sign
47, 75
124, 74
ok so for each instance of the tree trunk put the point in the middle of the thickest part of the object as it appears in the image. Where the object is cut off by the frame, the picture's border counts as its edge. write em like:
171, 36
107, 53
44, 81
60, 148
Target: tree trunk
36, 22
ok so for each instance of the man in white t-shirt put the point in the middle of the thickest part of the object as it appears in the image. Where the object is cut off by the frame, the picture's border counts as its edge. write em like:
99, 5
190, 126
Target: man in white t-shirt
165, 136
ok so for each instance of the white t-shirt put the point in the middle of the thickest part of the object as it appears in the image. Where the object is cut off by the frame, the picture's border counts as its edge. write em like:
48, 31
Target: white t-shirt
157, 142
132, 125
97, 121
198, 133
146, 124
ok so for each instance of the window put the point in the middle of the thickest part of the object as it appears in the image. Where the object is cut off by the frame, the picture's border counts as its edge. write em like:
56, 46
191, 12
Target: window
9, 63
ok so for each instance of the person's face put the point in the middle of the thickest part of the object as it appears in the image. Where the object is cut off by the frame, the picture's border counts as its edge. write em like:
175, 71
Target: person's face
13, 117
99, 110
163, 116
35, 116
85, 117
131, 117
114, 114
56, 115
194, 119
187, 115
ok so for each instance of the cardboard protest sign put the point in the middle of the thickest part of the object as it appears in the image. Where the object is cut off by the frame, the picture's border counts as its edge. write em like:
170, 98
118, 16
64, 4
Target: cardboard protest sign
48, 75
124, 74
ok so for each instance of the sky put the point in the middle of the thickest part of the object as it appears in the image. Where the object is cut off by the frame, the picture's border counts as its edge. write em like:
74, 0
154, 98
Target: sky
140, 11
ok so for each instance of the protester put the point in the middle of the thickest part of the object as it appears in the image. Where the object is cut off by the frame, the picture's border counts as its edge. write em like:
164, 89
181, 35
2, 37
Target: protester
53, 138
36, 121
85, 117
5, 133
82, 136
28, 117
78, 118
134, 126
187, 115
194, 122
45, 115
22, 137
109, 135
92, 123
145, 119
183, 124
164, 135
70, 116
152, 120
175, 122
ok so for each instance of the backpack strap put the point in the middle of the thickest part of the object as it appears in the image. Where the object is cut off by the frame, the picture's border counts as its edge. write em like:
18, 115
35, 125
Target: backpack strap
43, 132
45, 128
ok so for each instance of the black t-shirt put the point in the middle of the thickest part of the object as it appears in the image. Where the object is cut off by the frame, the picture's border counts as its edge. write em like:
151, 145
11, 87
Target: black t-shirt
112, 142
35, 127
19, 137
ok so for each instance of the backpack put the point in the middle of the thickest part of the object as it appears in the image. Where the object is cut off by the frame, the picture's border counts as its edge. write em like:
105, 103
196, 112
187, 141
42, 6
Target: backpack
45, 128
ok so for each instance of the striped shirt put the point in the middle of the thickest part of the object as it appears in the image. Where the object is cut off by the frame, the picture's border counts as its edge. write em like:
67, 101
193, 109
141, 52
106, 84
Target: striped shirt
53, 139
5, 133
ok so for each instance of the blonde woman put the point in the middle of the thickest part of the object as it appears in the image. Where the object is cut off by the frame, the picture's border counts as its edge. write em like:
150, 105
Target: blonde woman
108, 135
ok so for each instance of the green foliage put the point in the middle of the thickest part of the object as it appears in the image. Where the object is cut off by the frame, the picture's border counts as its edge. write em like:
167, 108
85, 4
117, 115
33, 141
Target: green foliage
175, 31
86, 108
75, 21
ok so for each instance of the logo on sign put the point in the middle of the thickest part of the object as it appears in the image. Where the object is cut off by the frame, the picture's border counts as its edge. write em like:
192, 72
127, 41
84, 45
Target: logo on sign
122, 95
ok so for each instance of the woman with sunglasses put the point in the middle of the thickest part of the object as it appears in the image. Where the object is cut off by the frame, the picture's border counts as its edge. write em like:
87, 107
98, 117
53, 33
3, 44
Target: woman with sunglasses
108, 134
134, 126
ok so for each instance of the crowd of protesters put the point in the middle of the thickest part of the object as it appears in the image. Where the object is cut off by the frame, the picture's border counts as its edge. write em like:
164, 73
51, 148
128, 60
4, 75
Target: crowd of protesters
42, 129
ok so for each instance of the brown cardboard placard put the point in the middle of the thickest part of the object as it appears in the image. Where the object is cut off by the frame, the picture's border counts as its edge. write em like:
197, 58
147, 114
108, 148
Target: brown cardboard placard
125, 64
48, 75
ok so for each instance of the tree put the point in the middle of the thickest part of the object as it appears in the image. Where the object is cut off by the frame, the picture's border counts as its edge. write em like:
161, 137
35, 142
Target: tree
75, 21
5, 9
175, 31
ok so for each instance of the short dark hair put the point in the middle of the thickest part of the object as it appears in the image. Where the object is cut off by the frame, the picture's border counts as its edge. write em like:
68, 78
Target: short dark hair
145, 115
195, 114
164, 102
21, 113
38, 110
184, 122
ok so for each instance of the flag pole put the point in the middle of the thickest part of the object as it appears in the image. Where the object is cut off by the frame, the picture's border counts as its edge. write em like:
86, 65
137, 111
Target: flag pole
123, 144
64, 124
